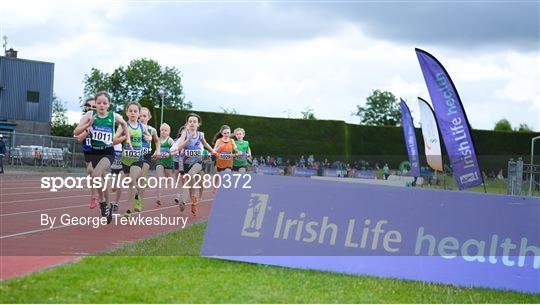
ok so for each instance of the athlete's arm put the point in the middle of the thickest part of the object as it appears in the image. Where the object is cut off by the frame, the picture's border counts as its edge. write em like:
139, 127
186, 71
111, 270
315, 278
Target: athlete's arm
206, 145
235, 148
179, 144
248, 151
84, 123
119, 136
82, 136
157, 145
118, 118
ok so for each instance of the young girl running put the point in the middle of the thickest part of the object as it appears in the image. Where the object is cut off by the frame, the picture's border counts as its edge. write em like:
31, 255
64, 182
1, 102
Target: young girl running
240, 162
84, 138
132, 154
147, 150
101, 123
192, 142
165, 162
224, 147
179, 171
116, 169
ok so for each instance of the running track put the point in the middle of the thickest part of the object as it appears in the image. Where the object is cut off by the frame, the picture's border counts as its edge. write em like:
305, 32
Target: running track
27, 246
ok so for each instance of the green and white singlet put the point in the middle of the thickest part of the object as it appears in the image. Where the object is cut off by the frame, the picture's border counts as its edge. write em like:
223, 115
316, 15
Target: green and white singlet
164, 149
132, 155
102, 131
241, 161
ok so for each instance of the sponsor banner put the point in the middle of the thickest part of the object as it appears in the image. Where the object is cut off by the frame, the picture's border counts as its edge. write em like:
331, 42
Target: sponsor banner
365, 174
410, 138
267, 170
459, 238
452, 121
330, 172
430, 132
304, 172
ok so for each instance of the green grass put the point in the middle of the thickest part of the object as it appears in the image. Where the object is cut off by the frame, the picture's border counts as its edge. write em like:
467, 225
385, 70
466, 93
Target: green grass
115, 278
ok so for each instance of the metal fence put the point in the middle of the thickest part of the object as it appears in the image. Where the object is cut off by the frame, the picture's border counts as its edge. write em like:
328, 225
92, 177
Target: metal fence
43, 150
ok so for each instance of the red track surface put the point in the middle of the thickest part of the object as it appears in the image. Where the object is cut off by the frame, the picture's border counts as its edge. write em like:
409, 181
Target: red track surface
27, 246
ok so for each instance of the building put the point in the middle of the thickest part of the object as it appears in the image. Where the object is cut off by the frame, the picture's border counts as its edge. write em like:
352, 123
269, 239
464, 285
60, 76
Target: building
26, 91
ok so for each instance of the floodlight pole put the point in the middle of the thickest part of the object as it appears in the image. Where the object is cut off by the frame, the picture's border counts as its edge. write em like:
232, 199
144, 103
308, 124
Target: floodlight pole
162, 93
532, 155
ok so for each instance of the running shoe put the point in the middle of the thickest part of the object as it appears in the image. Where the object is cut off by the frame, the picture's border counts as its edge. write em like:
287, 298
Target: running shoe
127, 214
110, 214
158, 202
104, 207
93, 202
182, 206
114, 207
138, 203
194, 209
194, 205
177, 198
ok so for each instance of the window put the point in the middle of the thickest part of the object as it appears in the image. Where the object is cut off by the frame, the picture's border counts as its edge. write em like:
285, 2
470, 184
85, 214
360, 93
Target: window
32, 96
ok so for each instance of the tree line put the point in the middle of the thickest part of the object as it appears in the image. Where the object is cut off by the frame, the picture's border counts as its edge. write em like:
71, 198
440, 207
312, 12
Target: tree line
146, 81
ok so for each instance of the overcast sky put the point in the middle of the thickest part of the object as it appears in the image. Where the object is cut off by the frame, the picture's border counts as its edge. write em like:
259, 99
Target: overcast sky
277, 58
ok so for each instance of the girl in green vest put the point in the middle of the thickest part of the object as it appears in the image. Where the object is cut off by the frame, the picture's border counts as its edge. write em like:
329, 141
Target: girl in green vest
164, 164
100, 124
132, 154
240, 162
148, 156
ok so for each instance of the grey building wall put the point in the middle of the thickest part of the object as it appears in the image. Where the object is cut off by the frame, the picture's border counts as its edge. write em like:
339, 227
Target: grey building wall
17, 77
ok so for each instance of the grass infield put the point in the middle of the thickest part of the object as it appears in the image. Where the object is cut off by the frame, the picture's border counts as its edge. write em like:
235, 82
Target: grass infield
147, 272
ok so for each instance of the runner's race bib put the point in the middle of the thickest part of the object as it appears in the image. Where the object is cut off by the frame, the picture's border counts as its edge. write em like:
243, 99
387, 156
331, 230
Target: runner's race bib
193, 153
242, 156
102, 134
225, 156
131, 153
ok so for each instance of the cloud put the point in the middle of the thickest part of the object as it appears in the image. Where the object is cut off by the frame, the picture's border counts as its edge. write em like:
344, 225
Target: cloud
276, 58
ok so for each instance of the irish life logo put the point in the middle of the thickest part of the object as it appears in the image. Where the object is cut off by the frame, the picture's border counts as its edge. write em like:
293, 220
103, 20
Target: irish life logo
254, 218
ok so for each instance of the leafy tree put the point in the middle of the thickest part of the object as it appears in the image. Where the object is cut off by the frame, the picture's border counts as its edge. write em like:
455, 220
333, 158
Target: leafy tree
382, 109
308, 114
523, 127
142, 79
59, 122
503, 125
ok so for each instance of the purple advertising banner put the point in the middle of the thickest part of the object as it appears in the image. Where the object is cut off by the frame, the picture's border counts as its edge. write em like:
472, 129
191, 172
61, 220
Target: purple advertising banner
267, 170
304, 172
452, 237
410, 138
452, 120
330, 172
365, 174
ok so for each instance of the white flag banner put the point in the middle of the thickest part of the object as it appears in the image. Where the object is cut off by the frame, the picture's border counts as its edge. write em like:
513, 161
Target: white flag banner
431, 136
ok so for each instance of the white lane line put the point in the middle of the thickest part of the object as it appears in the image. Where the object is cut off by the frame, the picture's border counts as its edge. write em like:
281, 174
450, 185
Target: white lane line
34, 231
38, 199
44, 210
43, 199
60, 208
49, 192
65, 226
20, 188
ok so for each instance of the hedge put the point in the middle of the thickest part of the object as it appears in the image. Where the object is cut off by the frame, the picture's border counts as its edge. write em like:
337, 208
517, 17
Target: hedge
337, 140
